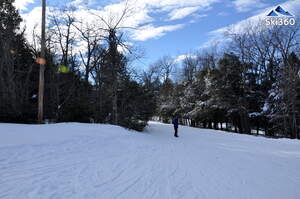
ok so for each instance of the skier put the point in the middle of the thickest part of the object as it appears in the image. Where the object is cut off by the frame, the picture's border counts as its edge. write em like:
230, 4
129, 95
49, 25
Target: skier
175, 123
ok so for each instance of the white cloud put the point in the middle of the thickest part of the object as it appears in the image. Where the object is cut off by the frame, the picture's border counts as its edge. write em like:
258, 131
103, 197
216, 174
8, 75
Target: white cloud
217, 36
293, 6
196, 17
175, 4
247, 5
223, 13
149, 31
140, 14
180, 58
22, 4
142, 19
182, 12
77, 2
32, 21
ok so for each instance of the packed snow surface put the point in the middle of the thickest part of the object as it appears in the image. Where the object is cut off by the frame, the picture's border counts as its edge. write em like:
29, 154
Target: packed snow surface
92, 161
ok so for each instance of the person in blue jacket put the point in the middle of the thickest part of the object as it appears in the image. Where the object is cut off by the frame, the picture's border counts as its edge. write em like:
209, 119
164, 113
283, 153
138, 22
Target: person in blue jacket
175, 124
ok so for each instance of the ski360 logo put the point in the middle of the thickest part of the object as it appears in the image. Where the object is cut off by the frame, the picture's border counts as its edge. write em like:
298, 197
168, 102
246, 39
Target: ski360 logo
280, 17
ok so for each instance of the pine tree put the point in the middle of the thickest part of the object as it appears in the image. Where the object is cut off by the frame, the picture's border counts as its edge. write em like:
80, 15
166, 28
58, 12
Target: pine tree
231, 91
284, 100
16, 68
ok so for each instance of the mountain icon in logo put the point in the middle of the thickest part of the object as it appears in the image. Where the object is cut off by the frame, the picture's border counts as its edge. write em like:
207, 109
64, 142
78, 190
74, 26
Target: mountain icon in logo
279, 11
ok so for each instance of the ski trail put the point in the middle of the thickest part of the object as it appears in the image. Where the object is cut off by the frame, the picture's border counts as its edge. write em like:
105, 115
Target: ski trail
117, 164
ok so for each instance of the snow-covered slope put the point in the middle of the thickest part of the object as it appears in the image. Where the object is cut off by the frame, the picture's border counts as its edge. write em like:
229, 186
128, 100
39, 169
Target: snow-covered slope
102, 161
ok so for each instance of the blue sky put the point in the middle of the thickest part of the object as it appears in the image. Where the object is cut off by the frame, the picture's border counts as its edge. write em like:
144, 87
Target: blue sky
170, 27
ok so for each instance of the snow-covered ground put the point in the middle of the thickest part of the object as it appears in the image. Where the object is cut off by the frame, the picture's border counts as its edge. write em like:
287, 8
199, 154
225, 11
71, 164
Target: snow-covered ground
84, 161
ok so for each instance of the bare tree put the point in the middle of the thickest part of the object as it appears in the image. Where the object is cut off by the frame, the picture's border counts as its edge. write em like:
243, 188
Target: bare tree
112, 24
151, 76
167, 65
62, 21
92, 38
189, 68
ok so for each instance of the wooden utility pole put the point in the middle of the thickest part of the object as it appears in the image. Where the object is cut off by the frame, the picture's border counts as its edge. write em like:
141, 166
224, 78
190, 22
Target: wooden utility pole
42, 63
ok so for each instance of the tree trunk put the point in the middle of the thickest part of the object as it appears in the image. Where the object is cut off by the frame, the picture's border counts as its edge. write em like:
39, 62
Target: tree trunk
215, 125
209, 125
244, 123
115, 107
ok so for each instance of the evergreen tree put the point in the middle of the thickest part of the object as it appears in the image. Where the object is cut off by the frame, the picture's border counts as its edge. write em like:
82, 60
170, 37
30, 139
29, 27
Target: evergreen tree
229, 91
17, 82
284, 100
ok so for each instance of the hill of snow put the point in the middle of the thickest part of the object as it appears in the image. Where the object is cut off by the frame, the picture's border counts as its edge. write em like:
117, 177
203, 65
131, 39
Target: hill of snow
88, 161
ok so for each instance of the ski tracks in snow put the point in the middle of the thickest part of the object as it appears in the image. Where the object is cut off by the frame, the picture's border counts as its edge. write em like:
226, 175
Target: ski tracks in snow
150, 165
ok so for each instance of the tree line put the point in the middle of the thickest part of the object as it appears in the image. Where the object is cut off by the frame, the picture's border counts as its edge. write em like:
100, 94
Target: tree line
92, 83
250, 86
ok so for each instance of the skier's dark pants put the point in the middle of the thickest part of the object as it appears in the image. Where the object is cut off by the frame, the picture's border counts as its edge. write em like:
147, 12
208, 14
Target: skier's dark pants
176, 131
